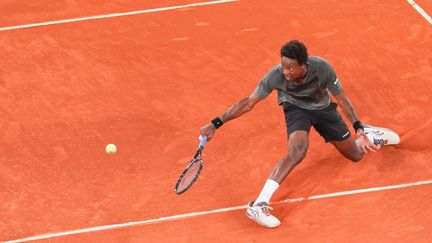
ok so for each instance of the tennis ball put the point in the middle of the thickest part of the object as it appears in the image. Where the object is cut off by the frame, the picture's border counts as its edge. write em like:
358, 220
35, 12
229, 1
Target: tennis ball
111, 148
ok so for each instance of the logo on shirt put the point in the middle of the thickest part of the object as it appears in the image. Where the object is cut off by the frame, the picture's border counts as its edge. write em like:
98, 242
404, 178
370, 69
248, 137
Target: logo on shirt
337, 83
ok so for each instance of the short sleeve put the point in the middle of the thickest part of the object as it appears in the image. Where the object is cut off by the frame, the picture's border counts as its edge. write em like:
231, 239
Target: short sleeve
330, 78
264, 88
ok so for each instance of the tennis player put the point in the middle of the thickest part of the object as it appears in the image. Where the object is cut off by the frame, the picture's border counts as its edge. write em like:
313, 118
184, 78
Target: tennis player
304, 85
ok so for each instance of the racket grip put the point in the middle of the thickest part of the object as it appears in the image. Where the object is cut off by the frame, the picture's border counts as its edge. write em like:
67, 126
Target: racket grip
203, 141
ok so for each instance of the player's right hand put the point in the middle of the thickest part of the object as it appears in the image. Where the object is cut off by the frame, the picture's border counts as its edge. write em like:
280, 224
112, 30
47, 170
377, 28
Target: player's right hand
208, 130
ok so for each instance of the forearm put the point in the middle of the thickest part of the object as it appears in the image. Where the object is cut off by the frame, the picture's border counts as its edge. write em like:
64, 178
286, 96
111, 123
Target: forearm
348, 109
236, 110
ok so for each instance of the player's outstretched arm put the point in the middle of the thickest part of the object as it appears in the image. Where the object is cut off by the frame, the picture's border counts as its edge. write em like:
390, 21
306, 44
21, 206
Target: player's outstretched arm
348, 109
244, 105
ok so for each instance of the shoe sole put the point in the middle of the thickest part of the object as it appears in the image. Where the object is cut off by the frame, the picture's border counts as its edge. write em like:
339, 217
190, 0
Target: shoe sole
256, 221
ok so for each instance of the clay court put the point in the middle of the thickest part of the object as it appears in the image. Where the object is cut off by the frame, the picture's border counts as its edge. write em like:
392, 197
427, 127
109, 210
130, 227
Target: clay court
146, 75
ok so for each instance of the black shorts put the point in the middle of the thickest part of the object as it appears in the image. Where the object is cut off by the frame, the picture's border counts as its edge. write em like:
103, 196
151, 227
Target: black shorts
327, 121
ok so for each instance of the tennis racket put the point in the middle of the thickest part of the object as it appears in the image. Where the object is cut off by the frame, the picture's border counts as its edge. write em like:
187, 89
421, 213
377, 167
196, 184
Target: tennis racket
192, 171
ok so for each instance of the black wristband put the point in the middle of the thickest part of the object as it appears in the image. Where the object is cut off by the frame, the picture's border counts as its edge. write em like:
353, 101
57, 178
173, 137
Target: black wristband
217, 122
357, 125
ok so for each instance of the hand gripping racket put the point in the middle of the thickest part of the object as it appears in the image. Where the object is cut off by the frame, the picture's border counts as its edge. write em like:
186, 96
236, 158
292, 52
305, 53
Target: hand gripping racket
192, 171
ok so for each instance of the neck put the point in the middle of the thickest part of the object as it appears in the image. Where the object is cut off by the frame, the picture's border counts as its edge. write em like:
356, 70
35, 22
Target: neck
305, 69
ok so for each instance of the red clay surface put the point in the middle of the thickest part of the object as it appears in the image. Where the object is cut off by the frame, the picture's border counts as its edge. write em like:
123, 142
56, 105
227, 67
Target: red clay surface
425, 5
18, 12
148, 83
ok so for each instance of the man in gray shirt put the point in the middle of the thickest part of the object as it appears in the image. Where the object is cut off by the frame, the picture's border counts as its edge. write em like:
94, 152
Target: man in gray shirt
303, 86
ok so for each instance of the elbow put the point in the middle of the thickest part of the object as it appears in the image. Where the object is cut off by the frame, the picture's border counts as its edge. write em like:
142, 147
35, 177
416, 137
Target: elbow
248, 108
248, 104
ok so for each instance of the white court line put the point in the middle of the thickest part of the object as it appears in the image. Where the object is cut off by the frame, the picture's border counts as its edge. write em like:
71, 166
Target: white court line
420, 10
221, 210
113, 15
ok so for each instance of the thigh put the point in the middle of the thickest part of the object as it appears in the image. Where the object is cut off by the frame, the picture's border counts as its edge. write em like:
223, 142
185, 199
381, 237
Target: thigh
330, 125
296, 118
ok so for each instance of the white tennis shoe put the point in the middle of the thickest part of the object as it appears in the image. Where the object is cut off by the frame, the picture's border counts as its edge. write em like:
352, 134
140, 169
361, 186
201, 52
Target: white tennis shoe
261, 214
381, 136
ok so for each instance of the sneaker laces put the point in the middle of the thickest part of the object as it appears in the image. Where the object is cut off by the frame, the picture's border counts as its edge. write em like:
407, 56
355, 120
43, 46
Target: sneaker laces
265, 209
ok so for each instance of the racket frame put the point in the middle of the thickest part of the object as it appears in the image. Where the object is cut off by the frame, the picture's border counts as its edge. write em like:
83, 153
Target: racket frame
196, 159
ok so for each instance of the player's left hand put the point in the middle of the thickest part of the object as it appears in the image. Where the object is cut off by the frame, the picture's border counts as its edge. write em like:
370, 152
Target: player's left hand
365, 144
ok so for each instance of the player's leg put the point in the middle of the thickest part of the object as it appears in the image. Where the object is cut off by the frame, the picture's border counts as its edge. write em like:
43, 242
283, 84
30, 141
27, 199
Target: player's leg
334, 130
298, 144
298, 126
350, 147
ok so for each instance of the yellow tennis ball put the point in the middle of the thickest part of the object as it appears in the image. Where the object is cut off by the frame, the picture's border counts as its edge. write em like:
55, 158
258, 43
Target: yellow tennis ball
111, 148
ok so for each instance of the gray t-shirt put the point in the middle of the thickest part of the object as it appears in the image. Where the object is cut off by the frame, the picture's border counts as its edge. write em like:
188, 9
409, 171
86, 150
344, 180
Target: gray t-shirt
312, 94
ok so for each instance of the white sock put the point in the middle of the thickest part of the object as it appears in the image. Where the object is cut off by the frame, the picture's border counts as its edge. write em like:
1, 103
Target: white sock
267, 191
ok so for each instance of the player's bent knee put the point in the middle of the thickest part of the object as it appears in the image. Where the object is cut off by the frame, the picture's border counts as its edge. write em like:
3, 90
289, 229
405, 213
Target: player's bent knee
356, 157
298, 153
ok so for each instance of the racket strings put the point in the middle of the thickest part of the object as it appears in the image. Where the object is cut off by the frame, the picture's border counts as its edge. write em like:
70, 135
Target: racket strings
190, 175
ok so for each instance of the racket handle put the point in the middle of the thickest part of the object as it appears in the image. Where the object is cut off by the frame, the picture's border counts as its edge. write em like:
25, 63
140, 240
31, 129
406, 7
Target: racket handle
203, 141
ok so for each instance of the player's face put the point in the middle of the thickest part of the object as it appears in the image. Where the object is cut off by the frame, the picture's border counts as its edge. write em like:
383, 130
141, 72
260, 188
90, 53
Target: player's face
292, 70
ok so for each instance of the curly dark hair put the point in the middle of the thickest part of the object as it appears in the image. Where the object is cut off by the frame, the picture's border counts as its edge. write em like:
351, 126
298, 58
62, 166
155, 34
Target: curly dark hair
295, 50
